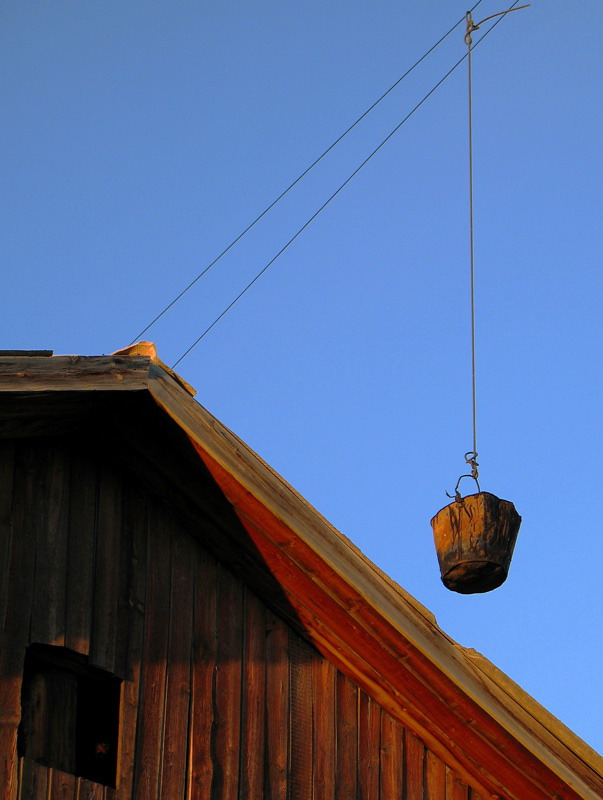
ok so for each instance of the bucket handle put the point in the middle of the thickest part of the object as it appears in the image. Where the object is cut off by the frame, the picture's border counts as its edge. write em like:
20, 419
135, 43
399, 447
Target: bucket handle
471, 459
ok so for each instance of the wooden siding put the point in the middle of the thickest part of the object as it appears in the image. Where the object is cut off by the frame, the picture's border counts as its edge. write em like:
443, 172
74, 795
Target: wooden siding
221, 699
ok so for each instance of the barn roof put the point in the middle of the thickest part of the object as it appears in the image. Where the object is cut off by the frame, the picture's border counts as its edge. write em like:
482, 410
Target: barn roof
498, 739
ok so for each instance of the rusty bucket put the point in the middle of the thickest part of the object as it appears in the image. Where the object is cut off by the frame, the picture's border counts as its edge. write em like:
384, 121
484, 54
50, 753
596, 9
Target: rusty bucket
474, 538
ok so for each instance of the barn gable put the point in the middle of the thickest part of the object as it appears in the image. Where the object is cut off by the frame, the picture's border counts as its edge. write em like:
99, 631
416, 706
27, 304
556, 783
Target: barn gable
260, 653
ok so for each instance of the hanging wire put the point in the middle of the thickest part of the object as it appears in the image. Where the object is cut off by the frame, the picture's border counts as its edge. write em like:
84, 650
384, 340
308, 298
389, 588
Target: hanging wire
471, 455
300, 177
326, 203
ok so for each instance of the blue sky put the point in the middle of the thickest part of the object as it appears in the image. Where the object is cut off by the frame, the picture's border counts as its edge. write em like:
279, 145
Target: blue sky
138, 139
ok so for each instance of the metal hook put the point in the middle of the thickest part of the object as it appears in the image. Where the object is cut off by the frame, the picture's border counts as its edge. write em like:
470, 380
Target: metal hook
471, 26
471, 459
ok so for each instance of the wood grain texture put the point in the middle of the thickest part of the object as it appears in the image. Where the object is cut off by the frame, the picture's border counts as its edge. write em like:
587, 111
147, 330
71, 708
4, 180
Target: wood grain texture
324, 677
254, 698
178, 689
7, 470
435, 777
87, 790
147, 777
77, 373
391, 783
347, 739
62, 785
107, 571
455, 788
15, 636
205, 650
81, 552
228, 687
33, 780
414, 760
135, 521
301, 751
51, 512
277, 709
369, 740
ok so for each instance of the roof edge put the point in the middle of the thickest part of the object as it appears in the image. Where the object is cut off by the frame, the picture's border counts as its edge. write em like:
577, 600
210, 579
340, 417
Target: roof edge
473, 674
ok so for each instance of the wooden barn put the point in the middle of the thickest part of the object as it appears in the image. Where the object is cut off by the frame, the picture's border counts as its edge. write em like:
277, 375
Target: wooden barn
176, 622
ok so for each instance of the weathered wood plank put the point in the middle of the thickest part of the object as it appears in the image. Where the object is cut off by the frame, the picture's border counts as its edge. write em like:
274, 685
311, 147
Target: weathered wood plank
301, 657
392, 769
347, 739
7, 469
228, 687
51, 512
81, 553
324, 728
435, 777
107, 570
75, 373
62, 785
254, 698
147, 776
456, 789
369, 733
33, 784
135, 531
201, 767
178, 690
87, 790
414, 760
15, 636
277, 708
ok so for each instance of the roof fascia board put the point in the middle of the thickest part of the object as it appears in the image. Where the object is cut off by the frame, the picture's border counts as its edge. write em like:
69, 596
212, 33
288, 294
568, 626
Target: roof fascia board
74, 373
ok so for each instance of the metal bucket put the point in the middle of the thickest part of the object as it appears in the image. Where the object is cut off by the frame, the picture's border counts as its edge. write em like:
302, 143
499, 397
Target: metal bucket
474, 538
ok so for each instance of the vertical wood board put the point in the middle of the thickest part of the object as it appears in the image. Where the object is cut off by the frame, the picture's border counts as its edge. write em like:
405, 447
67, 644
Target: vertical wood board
391, 782
205, 639
178, 688
254, 698
324, 677
277, 708
51, 512
135, 522
347, 739
228, 688
7, 470
369, 740
107, 570
17, 623
81, 553
147, 778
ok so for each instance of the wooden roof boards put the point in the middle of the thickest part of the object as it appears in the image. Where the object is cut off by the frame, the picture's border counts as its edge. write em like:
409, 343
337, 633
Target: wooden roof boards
479, 722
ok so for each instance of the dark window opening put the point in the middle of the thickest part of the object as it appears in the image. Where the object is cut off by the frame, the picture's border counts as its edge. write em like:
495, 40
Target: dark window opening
69, 714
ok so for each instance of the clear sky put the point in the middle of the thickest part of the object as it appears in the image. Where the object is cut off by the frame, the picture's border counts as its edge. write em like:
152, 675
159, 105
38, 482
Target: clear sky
139, 138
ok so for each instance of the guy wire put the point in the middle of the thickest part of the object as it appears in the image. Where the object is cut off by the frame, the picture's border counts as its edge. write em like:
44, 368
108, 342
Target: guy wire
332, 197
299, 177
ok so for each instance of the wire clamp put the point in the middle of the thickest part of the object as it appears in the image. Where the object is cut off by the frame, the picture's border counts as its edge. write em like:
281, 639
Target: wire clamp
471, 26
